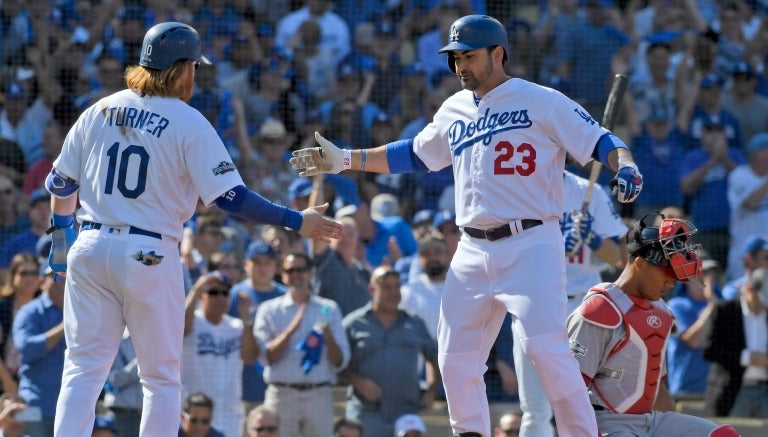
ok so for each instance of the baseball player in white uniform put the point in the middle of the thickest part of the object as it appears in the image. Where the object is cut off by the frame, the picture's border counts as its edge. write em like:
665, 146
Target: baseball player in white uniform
506, 139
589, 240
619, 336
139, 160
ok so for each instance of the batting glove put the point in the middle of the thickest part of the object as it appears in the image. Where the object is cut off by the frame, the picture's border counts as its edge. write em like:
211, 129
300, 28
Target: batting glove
572, 236
324, 159
63, 235
627, 183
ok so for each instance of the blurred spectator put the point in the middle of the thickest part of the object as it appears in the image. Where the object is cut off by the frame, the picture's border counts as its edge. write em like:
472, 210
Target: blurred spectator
736, 347
654, 96
123, 38
223, 110
704, 178
244, 50
11, 221
217, 346
659, 150
340, 276
707, 109
262, 419
38, 333
205, 240
389, 238
444, 226
53, 138
105, 426
387, 341
581, 70
410, 425
39, 214
558, 19
383, 53
217, 18
23, 120
259, 286
692, 307
408, 99
228, 263
123, 395
422, 295
346, 427
270, 172
748, 199
433, 40
22, 286
754, 256
384, 205
197, 416
10, 404
741, 100
300, 378
12, 164
334, 30
314, 62
732, 42
509, 424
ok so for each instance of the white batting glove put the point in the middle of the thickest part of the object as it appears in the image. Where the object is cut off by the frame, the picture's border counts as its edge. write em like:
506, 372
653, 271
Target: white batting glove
324, 159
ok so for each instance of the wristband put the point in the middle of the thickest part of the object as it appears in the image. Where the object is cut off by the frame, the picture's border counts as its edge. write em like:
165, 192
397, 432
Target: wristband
363, 157
62, 221
594, 241
346, 159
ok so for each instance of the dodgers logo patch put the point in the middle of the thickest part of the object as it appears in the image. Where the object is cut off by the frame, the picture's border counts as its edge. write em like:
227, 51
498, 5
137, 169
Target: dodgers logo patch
583, 114
223, 167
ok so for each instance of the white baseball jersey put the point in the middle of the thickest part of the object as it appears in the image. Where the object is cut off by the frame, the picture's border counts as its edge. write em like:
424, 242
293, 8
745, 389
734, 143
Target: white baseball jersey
508, 151
583, 270
422, 298
212, 364
151, 157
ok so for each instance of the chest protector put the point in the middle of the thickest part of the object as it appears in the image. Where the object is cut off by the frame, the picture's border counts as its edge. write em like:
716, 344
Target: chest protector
629, 379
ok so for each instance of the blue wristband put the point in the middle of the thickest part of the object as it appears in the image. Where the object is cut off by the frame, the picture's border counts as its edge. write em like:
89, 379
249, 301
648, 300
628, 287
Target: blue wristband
595, 241
62, 221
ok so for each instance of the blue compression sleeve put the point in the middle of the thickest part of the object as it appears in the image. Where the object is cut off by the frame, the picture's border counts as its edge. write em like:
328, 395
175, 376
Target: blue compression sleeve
401, 159
605, 144
248, 204
60, 185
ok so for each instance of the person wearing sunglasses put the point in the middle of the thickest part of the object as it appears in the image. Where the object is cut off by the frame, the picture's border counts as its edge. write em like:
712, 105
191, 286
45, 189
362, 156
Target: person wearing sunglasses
196, 417
304, 347
216, 346
262, 421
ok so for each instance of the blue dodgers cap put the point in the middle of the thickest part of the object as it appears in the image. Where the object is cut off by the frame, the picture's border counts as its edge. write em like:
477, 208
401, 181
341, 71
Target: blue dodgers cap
754, 243
757, 142
742, 68
712, 121
259, 248
39, 195
442, 218
710, 81
299, 187
104, 422
423, 216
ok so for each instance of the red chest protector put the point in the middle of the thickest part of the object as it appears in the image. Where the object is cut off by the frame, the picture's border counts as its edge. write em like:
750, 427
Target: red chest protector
629, 379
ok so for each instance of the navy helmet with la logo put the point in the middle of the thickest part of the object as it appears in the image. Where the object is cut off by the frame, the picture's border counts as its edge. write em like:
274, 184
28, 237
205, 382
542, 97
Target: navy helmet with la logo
473, 32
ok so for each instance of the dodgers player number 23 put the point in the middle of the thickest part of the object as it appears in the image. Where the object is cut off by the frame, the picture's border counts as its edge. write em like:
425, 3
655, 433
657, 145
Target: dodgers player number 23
138, 160
506, 140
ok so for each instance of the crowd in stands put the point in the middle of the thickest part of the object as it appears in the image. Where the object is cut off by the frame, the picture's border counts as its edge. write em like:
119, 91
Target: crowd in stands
296, 317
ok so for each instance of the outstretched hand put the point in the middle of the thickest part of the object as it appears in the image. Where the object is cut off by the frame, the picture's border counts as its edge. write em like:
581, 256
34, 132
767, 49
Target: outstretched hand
327, 158
316, 225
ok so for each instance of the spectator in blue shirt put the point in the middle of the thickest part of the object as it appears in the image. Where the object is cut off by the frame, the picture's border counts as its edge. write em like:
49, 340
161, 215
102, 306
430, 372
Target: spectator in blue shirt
39, 214
704, 178
260, 266
659, 150
686, 368
38, 333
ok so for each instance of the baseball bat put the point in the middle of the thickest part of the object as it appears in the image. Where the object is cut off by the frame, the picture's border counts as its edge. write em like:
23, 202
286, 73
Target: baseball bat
610, 112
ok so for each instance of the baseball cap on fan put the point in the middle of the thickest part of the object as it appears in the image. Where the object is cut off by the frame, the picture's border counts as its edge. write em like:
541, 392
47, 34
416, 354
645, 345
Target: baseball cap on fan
259, 248
407, 423
299, 187
754, 244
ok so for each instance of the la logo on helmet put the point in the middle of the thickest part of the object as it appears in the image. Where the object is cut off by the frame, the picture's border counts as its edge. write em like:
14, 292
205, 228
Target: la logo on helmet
454, 34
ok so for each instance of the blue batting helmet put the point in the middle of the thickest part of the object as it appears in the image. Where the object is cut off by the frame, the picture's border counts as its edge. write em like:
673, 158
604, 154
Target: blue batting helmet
168, 42
472, 32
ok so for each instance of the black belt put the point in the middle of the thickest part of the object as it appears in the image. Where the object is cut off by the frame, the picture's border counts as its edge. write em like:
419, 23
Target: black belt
301, 386
503, 231
131, 230
598, 407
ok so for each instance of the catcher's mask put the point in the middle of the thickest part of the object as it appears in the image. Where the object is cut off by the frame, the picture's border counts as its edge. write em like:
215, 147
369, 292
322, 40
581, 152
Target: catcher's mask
667, 246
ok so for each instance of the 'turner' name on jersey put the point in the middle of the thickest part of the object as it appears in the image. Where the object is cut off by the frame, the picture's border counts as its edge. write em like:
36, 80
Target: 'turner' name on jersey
151, 122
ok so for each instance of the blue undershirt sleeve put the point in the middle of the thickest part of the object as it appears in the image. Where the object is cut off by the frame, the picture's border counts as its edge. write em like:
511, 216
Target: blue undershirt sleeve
605, 144
401, 159
250, 205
